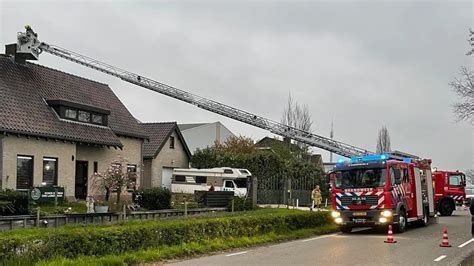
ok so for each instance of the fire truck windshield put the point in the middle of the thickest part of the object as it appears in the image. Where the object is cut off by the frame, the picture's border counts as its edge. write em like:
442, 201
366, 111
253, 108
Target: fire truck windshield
456, 180
360, 178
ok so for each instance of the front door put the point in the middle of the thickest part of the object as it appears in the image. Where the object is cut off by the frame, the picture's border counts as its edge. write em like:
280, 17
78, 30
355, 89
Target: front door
166, 177
81, 180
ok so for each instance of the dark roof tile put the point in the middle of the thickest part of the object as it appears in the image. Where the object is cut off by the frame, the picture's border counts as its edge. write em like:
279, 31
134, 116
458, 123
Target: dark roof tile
158, 134
24, 90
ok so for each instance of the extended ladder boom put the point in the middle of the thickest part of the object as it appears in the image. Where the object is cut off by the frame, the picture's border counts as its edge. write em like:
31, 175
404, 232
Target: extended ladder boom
30, 47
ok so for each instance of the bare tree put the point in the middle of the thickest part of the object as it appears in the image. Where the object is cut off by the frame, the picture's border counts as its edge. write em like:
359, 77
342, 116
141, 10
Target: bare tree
383, 141
464, 88
470, 177
297, 116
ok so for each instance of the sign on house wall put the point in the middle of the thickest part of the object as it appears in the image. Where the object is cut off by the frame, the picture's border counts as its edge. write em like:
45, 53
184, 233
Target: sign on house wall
47, 194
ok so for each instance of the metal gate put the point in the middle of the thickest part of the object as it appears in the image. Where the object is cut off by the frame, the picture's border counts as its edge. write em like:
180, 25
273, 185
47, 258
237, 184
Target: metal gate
283, 190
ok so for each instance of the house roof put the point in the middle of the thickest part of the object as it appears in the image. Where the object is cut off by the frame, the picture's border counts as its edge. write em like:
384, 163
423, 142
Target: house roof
158, 134
26, 89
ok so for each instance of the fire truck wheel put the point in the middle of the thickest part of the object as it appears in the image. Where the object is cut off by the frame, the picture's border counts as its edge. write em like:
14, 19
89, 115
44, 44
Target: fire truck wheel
401, 226
446, 208
345, 229
424, 221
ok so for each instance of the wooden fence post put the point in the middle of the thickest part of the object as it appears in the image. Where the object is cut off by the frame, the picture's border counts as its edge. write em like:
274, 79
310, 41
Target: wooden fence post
38, 217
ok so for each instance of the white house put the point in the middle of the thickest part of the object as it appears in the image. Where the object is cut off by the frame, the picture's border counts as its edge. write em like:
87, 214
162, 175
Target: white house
203, 135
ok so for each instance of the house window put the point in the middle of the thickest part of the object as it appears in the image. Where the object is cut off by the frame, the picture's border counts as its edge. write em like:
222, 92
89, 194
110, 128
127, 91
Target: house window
24, 172
171, 142
71, 114
84, 116
97, 119
50, 171
132, 176
96, 167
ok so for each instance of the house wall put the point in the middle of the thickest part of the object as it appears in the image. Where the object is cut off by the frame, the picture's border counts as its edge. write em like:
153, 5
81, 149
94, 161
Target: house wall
38, 148
205, 136
167, 157
1, 161
146, 183
131, 152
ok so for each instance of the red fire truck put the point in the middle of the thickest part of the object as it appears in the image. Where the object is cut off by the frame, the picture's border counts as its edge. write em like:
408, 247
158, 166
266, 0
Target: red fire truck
449, 189
375, 190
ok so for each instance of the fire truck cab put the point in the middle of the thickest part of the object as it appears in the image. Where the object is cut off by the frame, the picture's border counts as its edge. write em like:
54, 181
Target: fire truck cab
375, 190
449, 189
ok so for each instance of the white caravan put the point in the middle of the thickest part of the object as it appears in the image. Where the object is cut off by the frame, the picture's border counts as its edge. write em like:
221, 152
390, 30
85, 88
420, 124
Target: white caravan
223, 179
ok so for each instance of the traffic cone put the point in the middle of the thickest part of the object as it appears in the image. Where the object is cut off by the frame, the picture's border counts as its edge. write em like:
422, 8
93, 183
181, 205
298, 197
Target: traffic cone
390, 235
445, 242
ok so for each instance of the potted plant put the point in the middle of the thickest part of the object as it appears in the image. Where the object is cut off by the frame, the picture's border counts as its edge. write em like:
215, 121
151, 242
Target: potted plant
101, 206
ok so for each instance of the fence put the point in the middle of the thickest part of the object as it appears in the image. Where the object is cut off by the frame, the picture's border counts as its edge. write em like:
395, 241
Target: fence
31, 221
282, 190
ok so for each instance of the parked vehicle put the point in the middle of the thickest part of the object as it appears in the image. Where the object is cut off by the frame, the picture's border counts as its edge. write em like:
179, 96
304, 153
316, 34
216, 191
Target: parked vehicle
449, 189
222, 179
376, 190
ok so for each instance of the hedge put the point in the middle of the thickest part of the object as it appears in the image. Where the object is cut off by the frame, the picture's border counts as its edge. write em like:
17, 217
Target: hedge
157, 198
71, 242
13, 202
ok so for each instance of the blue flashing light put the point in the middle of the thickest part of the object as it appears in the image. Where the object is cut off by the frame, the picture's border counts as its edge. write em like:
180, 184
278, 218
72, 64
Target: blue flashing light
340, 161
370, 158
407, 160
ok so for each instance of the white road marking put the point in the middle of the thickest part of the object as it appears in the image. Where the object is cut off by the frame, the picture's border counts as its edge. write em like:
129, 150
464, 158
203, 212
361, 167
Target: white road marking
236, 254
316, 238
465, 243
440, 258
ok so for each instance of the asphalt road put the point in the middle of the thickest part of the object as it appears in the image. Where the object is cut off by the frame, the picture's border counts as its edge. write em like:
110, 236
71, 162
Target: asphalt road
417, 246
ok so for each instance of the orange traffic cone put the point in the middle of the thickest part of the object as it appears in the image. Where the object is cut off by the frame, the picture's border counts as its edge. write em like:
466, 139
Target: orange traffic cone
390, 236
445, 242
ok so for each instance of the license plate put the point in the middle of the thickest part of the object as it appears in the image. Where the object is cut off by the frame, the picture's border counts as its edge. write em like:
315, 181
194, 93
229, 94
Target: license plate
362, 221
359, 214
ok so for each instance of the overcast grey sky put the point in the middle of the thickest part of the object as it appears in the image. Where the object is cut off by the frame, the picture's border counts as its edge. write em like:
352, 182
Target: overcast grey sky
363, 65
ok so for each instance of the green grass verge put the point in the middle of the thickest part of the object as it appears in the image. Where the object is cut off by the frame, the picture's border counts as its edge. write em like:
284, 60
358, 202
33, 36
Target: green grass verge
189, 249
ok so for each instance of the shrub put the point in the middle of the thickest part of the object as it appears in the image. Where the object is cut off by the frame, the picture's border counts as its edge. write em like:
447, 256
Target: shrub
241, 204
157, 198
71, 242
13, 202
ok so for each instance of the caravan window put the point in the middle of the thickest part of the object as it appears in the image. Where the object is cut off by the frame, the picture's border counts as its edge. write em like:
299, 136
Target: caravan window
228, 184
180, 178
244, 172
228, 171
241, 182
201, 179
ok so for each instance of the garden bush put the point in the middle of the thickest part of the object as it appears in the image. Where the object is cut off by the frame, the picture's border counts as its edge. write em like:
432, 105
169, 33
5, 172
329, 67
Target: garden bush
71, 242
241, 204
157, 198
13, 202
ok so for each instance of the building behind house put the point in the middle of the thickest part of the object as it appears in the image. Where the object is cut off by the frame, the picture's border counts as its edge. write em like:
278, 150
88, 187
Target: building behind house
203, 135
58, 129
165, 151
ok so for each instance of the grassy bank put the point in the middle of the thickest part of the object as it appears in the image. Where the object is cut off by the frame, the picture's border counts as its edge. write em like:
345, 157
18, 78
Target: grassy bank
189, 249
141, 241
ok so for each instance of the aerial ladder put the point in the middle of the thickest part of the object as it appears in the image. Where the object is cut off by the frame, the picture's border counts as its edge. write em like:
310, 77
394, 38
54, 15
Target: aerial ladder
28, 47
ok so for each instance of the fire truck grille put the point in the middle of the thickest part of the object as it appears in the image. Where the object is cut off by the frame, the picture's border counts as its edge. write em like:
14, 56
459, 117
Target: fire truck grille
359, 200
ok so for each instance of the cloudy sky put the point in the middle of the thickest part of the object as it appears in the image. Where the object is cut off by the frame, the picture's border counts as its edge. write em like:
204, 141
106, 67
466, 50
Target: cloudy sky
362, 65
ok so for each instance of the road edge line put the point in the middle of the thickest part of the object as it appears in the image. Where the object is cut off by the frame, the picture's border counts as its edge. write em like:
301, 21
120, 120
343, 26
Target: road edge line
319, 237
465, 243
236, 254
440, 258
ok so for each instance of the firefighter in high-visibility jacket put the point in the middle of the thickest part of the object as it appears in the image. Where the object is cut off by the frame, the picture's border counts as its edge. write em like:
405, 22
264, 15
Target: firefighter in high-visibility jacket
316, 196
